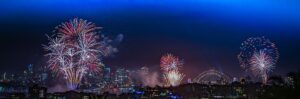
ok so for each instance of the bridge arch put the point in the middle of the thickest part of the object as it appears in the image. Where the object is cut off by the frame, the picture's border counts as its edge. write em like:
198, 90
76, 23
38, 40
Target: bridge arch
222, 77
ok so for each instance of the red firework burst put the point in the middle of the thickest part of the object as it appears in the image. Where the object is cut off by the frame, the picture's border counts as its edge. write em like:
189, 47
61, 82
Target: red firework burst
75, 26
169, 62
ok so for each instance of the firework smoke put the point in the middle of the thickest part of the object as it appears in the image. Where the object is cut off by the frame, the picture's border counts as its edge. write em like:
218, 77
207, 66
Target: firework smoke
146, 77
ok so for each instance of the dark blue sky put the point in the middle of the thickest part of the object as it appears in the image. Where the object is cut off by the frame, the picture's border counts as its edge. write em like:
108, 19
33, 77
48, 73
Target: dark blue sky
205, 33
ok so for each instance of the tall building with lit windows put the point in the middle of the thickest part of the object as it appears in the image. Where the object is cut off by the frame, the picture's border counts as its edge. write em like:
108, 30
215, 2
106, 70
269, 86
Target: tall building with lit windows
123, 81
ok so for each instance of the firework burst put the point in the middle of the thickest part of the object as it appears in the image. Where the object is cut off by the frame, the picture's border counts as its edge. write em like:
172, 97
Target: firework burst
75, 27
170, 62
75, 51
170, 65
261, 64
173, 77
258, 55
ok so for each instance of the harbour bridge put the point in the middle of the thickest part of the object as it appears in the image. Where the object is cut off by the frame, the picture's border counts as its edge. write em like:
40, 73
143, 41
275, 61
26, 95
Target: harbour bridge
212, 76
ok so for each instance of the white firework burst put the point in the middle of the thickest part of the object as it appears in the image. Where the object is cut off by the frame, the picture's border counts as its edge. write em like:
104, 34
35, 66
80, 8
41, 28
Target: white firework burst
261, 64
75, 51
174, 77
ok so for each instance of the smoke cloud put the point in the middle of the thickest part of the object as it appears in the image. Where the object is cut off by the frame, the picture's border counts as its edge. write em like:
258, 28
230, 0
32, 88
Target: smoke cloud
110, 45
146, 78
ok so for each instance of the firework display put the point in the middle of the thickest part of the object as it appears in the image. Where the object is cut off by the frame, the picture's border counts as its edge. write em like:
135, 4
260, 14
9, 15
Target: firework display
169, 62
170, 66
75, 50
258, 55
174, 77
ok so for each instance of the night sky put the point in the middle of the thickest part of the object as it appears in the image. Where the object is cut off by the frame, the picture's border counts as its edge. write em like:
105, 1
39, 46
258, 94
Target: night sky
205, 33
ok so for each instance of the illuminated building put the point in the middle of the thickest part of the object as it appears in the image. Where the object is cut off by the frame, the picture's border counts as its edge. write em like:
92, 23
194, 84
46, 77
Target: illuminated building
123, 81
